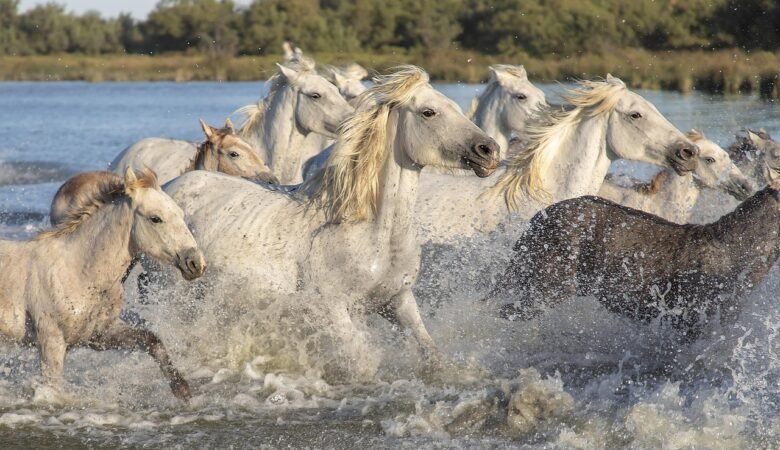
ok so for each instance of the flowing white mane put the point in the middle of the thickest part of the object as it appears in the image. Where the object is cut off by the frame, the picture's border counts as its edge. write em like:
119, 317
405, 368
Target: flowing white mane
348, 186
525, 171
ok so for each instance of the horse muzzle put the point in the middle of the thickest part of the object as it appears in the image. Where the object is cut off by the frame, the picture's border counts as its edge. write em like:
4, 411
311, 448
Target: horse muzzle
483, 158
191, 263
739, 188
683, 157
263, 177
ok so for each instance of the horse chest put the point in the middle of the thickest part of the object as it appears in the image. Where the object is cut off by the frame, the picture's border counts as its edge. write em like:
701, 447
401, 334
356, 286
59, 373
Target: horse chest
363, 263
82, 316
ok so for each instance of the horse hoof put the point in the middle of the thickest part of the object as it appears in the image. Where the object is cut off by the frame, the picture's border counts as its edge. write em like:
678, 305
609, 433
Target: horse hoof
181, 389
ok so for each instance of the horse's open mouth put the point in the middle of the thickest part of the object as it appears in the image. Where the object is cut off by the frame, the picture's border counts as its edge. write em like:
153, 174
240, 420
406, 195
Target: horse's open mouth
481, 168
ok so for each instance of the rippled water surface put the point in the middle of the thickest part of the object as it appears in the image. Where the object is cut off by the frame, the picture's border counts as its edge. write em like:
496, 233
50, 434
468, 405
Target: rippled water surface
578, 377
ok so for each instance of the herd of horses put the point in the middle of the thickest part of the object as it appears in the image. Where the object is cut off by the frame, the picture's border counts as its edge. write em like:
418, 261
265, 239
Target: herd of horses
329, 188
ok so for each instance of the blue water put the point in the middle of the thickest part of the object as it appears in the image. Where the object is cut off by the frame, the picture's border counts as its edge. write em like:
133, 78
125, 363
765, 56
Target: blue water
727, 398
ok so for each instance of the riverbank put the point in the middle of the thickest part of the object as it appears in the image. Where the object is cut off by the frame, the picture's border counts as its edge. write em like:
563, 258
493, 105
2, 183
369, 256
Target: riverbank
717, 72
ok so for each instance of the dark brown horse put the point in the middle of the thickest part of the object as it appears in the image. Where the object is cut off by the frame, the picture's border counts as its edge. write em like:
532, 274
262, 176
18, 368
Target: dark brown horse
639, 265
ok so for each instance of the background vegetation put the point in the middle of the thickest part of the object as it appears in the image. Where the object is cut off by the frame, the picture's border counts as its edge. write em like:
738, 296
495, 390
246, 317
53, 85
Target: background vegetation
713, 45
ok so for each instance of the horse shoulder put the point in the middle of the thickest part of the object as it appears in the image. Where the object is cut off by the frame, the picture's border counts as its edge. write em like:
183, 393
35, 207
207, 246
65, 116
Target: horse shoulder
449, 206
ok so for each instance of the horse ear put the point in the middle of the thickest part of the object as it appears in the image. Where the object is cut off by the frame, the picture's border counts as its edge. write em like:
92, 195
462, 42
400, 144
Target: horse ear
130, 180
500, 75
521, 73
229, 126
695, 135
754, 137
207, 130
340, 80
288, 72
615, 80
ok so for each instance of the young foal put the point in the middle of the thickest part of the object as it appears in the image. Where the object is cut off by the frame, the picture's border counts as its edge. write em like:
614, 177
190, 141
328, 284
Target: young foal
222, 151
641, 266
63, 289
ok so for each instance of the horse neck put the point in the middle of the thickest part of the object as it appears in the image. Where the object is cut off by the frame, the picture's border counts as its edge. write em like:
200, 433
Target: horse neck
205, 158
678, 191
282, 140
487, 118
751, 230
101, 246
398, 184
580, 163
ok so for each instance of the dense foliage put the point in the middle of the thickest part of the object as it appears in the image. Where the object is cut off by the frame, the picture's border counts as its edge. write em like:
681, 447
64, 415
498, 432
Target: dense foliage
538, 28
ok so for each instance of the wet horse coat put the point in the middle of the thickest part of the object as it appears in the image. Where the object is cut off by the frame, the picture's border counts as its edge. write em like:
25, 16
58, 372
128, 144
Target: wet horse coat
639, 265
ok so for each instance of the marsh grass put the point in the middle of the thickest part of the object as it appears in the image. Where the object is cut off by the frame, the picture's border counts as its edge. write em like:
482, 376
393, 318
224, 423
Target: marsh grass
717, 72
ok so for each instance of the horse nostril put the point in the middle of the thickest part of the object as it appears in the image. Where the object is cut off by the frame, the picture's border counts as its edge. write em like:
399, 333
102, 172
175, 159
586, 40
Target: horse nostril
484, 150
687, 153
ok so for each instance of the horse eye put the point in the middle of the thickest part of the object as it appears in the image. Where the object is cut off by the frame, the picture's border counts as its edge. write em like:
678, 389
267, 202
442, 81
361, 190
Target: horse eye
710, 160
521, 96
635, 115
314, 95
155, 219
428, 113
233, 154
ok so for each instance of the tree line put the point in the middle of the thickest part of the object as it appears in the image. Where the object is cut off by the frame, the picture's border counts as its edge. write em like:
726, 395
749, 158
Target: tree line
538, 28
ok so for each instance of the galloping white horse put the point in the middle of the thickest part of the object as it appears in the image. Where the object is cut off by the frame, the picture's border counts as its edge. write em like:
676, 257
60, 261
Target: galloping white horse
567, 155
286, 126
672, 197
348, 234
63, 289
507, 103
222, 151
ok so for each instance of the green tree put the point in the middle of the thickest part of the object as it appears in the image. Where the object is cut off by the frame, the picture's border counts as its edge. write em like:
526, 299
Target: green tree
9, 32
180, 25
46, 29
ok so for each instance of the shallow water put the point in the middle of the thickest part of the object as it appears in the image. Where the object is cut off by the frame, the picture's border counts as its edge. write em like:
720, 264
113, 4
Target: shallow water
577, 377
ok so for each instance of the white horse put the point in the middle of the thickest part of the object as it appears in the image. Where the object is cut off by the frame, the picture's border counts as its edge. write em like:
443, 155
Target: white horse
507, 104
673, 197
347, 234
63, 289
348, 79
222, 151
567, 154
287, 126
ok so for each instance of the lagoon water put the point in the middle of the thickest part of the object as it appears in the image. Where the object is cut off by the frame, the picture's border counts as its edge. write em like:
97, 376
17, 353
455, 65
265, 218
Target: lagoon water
578, 377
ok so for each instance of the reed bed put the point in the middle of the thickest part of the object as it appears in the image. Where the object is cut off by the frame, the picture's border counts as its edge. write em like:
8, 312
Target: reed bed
717, 72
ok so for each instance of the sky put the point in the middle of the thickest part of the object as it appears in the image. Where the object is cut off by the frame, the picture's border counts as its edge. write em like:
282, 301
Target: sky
108, 8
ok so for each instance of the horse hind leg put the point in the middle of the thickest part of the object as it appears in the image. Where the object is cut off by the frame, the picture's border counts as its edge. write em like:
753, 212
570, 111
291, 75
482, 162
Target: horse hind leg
123, 337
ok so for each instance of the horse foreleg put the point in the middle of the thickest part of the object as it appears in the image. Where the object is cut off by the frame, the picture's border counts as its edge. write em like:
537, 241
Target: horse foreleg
51, 344
123, 337
403, 311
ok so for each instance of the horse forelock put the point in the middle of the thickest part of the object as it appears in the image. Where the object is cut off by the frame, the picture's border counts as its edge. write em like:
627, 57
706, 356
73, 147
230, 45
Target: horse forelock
525, 170
348, 187
89, 192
